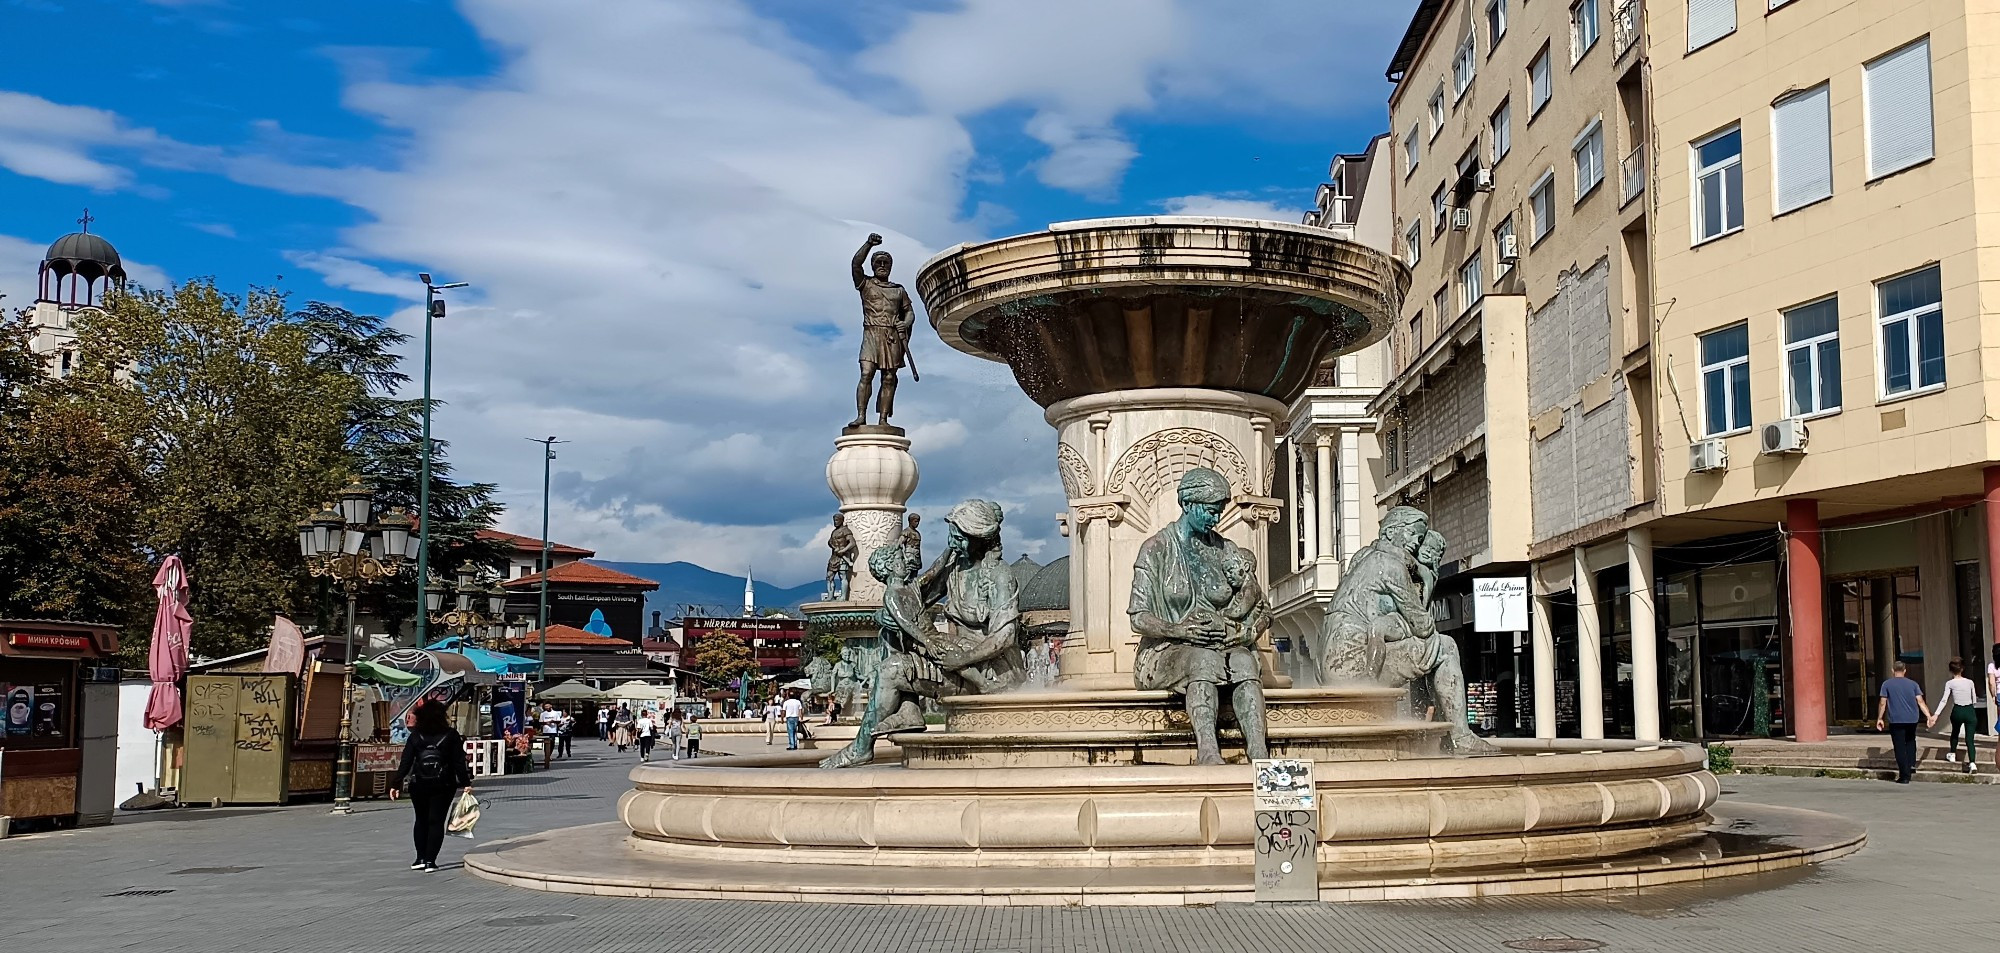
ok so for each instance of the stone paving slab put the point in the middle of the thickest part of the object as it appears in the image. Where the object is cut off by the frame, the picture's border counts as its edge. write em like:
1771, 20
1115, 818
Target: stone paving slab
323, 883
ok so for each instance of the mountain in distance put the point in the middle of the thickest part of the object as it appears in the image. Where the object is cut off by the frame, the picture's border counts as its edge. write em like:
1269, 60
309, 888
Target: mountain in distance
684, 583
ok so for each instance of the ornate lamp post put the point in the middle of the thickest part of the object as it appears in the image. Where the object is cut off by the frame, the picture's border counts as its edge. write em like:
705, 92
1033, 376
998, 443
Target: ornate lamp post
469, 598
345, 543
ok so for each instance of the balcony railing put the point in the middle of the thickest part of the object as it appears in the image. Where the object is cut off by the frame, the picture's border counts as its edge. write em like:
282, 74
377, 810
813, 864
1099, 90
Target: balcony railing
1632, 175
1625, 25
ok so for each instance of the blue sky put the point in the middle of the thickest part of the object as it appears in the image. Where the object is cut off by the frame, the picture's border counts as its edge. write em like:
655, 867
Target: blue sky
655, 201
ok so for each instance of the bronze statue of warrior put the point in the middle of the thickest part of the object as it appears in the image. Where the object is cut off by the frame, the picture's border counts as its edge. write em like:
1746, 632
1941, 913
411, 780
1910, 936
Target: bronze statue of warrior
886, 320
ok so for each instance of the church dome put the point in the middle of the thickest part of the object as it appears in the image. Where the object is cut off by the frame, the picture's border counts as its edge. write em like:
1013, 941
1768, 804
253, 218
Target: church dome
87, 256
1048, 590
1024, 569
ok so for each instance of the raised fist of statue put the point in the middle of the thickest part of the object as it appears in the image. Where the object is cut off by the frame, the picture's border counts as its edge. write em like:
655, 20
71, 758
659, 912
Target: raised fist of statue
874, 238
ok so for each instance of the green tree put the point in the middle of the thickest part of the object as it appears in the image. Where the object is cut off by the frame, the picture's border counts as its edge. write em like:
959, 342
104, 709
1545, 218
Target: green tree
721, 659
68, 499
384, 437
237, 427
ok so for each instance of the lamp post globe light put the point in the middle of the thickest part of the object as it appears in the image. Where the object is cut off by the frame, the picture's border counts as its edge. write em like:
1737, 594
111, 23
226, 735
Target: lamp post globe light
349, 544
476, 604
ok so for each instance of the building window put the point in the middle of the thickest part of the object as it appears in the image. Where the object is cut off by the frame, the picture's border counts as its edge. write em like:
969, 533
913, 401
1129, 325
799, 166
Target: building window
1718, 162
1505, 248
1583, 27
1812, 358
1471, 283
1801, 149
1412, 151
1912, 309
1709, 21
1542, 205
1463, 66
1496, 22
1441, 303
1725, 380
1416, 335
1538, 83
1437, 111
1896, 101
1413, 244
1503, 131
1440, 209
1588, 151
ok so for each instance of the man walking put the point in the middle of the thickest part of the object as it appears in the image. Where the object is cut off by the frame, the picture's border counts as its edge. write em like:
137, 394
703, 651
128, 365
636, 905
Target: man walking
794, 710
551, 721
604, 725
1901, 710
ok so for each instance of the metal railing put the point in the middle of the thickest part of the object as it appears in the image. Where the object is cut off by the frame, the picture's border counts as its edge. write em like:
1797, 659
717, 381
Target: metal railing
1625, 25
1632, 175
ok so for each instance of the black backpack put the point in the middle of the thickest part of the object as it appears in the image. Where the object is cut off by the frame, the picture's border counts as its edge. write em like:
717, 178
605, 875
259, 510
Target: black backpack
429, 766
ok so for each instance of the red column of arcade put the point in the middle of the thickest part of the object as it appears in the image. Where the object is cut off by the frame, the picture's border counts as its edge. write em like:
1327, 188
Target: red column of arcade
1806, 585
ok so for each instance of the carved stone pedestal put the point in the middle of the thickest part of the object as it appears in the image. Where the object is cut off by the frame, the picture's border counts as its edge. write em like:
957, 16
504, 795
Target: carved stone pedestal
872, 474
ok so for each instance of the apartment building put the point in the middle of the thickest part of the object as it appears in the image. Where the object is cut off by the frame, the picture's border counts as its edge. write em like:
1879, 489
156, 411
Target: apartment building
1518, 414
1328, 459
1822, 240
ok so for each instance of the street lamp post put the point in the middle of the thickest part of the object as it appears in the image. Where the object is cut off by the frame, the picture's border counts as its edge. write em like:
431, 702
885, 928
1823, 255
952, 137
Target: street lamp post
345, 544
433, 309
542, 613
468, 598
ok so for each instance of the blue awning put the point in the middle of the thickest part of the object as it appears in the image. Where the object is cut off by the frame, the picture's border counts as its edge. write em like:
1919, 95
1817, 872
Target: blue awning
498, 663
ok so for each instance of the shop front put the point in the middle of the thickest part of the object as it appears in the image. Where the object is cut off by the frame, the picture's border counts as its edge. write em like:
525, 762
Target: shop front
59, 740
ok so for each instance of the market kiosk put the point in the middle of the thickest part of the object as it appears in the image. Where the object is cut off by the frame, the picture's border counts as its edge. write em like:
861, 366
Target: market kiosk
59, 736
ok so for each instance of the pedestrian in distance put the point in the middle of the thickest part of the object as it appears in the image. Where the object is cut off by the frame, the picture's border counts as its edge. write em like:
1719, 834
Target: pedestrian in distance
433, 770
772, 712
794, 710
604, 724
551, 733
1901, 711
676, 730
693, 737
1961, 700
646, 729
1993, 697
568, 730
622, 729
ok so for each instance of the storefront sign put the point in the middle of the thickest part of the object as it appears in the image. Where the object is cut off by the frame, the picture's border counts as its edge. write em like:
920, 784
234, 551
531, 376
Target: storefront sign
1500, 604
44, 640
377, 758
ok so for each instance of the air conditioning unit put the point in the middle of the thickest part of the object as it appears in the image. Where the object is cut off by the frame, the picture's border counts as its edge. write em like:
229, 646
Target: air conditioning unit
1482, 180
1461, 219
1708, 456
1510, 250
1782, 437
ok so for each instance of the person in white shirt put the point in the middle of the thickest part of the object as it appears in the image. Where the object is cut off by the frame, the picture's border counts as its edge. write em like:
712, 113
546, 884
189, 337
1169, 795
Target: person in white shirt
794, 710
551, 732
647, 729
1961, 699
772, 712
604, 725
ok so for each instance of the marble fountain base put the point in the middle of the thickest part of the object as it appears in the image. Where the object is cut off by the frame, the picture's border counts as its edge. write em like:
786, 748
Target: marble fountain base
1541, 817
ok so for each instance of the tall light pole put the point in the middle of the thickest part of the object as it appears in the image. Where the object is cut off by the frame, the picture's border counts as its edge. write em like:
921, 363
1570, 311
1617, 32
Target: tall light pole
433, 309
542, 614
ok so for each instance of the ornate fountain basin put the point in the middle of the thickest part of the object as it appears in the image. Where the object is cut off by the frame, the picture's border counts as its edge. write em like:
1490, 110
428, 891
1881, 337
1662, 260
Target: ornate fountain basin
1173, 301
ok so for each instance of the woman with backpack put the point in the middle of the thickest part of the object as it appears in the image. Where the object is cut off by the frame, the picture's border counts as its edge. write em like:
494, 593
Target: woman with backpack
433, 770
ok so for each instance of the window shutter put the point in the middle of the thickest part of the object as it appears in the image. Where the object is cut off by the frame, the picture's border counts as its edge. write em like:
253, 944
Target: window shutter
1709, 21
1802, 149
1897, 88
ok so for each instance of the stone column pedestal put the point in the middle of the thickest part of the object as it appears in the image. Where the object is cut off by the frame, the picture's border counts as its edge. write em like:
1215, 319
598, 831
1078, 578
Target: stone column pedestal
872, 474
1121, 455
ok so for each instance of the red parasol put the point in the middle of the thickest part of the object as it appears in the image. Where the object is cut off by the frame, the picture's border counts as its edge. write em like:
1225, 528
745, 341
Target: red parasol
167, 658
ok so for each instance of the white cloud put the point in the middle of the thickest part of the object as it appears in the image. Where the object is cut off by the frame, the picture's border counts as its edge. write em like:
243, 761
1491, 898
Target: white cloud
1223, 206
655, 205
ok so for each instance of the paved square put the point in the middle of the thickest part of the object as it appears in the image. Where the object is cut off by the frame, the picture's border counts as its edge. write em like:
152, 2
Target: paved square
297, 879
